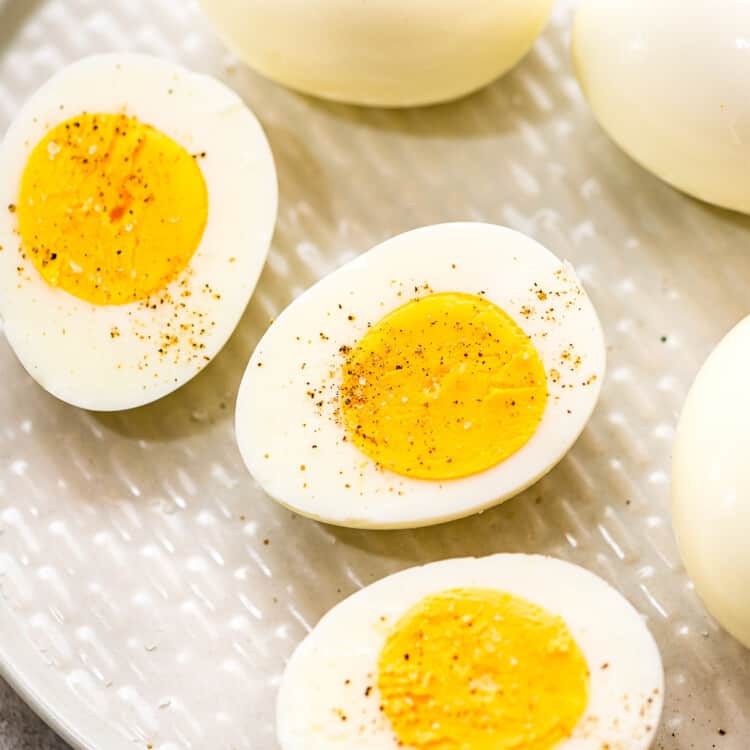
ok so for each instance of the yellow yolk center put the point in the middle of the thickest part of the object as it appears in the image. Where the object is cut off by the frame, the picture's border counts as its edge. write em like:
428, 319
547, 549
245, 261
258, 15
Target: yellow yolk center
110, 209
443, 387
475, 669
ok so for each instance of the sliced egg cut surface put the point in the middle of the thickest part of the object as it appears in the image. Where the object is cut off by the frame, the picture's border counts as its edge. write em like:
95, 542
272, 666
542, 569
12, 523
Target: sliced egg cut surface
441, 372
443, 387
138, 202
110, 209
543, 663
497, 653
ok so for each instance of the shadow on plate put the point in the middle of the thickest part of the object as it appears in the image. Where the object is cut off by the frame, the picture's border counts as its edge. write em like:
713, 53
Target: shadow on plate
488, 111
520, 524
13, 14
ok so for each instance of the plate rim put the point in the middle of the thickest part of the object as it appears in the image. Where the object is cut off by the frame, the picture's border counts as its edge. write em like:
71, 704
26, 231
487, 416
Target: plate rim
54, 707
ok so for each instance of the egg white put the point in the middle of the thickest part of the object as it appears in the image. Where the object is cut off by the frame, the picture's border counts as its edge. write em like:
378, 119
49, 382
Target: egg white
64, 342
280, 429
626, 684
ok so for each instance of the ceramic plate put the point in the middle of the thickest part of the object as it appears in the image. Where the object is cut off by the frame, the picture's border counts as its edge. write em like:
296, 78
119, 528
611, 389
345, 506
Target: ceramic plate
150, 593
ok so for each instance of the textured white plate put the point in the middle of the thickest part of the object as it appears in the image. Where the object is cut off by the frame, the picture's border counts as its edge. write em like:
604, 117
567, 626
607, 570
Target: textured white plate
150, 593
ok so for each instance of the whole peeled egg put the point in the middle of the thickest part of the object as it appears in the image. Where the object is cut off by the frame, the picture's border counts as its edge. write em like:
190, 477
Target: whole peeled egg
667, 80
711, 483
380, 52
137, 203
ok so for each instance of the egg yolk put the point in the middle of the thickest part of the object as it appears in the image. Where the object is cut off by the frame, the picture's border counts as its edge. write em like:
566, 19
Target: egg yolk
476, 669
110, 209
443, 387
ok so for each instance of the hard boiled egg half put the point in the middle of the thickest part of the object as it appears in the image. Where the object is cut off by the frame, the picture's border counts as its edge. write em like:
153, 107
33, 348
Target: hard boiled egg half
667, 80
497, 653
137, 203
380, 52
441, 372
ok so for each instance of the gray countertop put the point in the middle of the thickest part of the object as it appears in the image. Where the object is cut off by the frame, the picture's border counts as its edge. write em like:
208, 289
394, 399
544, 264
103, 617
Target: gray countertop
20, 727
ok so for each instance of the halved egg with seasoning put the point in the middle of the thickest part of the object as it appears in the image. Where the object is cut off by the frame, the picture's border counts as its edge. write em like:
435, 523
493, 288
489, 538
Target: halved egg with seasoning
441, 372
497, 653
137, 204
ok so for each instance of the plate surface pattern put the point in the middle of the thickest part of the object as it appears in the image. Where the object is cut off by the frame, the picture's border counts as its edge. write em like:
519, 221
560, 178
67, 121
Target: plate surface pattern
150, 593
